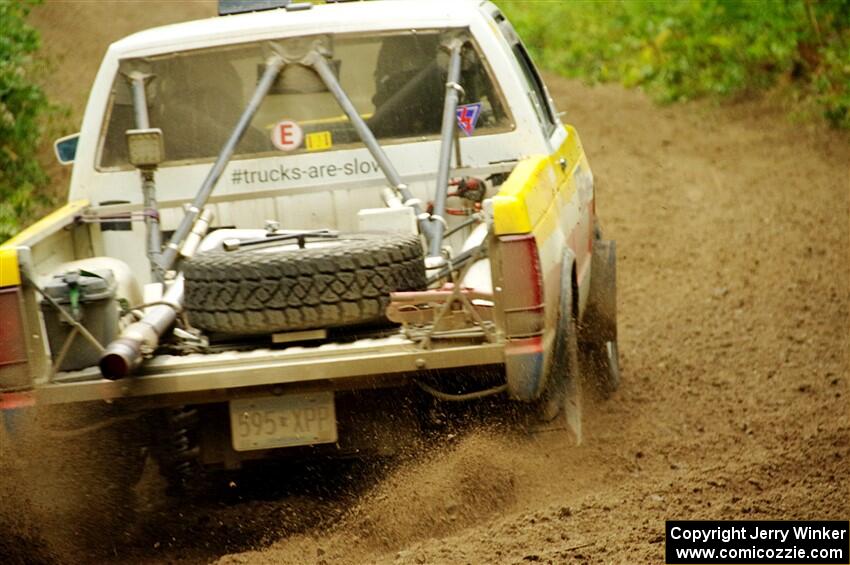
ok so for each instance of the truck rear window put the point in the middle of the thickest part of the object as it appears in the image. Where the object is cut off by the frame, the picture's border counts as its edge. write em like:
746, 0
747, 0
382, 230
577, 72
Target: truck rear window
396, 81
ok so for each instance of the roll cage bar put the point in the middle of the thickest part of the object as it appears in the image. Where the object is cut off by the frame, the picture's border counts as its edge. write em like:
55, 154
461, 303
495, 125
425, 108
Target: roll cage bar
432, 225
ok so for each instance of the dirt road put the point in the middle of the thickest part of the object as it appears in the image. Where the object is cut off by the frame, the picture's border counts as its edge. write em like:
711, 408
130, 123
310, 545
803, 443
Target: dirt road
732, 226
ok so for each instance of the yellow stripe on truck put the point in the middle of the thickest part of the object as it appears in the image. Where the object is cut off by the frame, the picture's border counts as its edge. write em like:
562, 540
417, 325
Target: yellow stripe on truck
48, 224
10, 275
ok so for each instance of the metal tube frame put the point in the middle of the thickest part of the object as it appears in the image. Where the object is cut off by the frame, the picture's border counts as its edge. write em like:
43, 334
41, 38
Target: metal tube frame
154, 235
320, 64
140, 102
432, 226
124, 354
453, 91
273, 66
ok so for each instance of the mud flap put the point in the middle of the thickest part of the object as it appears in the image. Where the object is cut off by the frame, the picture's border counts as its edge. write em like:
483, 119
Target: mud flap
568, 403
524, 368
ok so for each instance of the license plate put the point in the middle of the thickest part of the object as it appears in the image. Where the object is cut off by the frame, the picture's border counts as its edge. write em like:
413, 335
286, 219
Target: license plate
282, 421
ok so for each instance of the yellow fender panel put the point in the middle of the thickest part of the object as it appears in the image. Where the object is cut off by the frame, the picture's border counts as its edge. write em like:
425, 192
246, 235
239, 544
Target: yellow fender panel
10, 275
523, 199
525, 196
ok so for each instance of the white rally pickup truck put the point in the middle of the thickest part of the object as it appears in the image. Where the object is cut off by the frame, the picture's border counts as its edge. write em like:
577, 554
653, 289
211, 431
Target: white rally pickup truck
299, 231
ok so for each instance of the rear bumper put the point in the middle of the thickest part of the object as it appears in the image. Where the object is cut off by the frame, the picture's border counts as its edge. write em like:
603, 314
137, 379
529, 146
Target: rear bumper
218, 376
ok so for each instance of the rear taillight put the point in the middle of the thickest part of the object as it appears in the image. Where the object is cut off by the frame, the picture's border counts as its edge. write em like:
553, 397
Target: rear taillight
14, 361
13, 347
15, 400
522, 286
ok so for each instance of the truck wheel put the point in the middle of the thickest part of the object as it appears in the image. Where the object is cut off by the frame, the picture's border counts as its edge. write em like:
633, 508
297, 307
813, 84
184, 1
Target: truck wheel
599, 351
332, 283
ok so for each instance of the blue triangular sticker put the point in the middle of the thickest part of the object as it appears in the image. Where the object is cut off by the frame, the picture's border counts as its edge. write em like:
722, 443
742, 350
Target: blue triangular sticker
467, 117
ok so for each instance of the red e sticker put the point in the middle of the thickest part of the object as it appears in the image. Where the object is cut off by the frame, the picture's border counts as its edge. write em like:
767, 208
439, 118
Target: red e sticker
287, 135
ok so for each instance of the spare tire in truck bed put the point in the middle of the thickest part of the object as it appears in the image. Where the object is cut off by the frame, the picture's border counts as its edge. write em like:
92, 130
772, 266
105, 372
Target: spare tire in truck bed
277, 288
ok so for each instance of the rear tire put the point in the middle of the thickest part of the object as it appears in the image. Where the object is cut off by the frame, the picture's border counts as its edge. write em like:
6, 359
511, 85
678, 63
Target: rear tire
599, 349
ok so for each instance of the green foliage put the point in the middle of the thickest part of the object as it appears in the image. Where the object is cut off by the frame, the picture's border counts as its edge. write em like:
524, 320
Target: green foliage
23, 107
683, 49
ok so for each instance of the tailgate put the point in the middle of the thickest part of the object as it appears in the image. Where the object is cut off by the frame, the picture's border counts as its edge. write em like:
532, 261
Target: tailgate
343, 363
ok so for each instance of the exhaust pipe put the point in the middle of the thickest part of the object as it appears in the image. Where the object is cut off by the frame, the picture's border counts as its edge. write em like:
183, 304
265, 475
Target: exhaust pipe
123, 355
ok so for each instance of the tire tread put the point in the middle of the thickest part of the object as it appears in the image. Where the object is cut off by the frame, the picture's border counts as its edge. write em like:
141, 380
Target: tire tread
256, 292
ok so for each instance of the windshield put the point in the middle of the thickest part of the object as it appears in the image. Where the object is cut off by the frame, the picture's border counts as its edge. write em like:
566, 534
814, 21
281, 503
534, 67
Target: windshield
396, 81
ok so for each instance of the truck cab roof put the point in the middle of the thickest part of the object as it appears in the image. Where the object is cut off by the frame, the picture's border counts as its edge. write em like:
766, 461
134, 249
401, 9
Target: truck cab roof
324, 18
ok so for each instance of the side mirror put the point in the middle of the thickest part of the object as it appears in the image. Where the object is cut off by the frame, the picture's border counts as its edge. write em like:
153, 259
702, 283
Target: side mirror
66, 148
